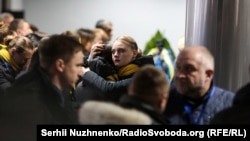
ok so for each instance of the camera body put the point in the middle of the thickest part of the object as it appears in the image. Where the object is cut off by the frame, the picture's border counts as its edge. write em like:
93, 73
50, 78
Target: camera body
107, 46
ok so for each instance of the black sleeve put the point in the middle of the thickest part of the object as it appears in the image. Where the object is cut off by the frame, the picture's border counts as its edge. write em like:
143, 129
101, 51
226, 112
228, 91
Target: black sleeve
94, 80
5, 80
85, 61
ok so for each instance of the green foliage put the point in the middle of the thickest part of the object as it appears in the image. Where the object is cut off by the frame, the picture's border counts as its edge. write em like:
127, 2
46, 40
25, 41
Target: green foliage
152, 43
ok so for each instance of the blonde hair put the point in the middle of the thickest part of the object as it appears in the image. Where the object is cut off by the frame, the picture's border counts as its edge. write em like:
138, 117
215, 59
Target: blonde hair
129, 41
20, 43
103, 34
4, 31
73, 34
87, 35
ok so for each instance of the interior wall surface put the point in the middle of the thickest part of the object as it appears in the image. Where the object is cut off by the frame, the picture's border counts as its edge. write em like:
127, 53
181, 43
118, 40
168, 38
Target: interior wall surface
138, 18
223, 26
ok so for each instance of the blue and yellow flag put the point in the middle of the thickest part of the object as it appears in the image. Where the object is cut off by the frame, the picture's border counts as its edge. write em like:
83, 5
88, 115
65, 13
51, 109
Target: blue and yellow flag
164, 57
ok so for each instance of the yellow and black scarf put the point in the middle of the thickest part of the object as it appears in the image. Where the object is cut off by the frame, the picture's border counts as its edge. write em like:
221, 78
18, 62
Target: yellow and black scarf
3, 46
124, 72
7, 57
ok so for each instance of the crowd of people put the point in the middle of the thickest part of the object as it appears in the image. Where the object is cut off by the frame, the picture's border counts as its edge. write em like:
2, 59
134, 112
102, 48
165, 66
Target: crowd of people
81, 77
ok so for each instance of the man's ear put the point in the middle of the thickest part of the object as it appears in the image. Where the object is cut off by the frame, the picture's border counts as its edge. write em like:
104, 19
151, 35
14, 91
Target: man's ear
59, 65
18, 32
210, 73
129, 88
162, 103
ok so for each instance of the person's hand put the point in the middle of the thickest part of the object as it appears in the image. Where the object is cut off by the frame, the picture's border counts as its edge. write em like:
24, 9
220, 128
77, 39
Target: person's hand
84, 70
96, 49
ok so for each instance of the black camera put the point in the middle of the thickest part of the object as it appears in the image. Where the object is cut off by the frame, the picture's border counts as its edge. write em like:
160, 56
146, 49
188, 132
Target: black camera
107, 46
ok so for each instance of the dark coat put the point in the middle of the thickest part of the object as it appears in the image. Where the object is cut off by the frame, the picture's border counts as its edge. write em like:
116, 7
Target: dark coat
7, 75
239, 113
177, 114
32, 100
136, 103
94, 87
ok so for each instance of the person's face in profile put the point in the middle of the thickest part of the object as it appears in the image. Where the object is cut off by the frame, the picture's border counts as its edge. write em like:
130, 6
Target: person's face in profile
73, 70
23, 58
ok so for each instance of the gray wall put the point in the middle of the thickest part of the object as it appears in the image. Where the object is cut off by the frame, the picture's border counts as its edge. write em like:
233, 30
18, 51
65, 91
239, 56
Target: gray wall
138, 18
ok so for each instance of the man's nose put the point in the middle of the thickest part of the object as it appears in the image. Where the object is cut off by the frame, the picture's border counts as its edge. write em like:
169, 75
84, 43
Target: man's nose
179, 74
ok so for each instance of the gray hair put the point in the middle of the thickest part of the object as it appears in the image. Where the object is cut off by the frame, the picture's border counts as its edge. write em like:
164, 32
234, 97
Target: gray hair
102, 23
5, 14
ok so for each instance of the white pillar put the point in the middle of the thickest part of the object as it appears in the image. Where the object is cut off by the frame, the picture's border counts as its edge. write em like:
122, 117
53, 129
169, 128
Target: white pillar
14, 5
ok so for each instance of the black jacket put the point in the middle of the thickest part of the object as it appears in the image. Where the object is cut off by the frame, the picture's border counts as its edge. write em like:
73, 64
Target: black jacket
239, 112
131, 102
32, 100
7, 75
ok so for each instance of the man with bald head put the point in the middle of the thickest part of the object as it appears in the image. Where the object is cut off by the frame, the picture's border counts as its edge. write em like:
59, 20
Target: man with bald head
195, 99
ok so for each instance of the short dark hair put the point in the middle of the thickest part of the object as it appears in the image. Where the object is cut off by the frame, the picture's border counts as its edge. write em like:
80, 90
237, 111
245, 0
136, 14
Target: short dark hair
149, 83
57, 46
35, 37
